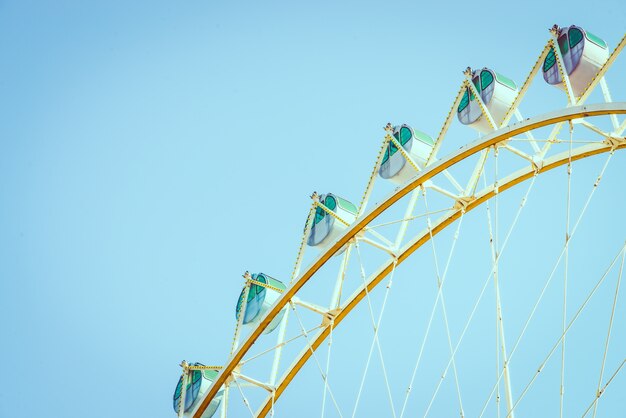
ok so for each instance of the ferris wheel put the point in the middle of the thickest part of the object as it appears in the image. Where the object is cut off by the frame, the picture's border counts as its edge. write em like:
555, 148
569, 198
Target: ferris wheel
528, 323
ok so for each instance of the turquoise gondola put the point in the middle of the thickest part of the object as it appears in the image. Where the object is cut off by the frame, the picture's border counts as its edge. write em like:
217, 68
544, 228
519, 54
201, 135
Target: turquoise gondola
417, 145
326, 229
497, 93
259, 300
198, 383
583, 55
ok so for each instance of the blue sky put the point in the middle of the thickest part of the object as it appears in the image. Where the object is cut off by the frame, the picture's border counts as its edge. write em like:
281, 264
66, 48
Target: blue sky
146, 149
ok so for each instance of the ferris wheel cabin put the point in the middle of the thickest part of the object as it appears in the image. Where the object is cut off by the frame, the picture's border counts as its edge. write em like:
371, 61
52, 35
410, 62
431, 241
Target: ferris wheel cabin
326, 228
198, 383
417, 145
259, 300
583, 55
497, 93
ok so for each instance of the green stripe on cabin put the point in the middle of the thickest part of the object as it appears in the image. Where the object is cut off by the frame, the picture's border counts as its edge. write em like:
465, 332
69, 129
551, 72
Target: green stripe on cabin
210, 374
506, 81
275, 283
593, 38
423, 137
345, 205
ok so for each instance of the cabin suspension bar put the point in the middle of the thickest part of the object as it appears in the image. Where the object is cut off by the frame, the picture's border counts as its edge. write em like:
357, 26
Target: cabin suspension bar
479, 100
529, 134
526, 85
571, 98
372, 179
331, 213
405, 154
183, 389
305, 234
204, 367
265, 285
446, 123
242, 313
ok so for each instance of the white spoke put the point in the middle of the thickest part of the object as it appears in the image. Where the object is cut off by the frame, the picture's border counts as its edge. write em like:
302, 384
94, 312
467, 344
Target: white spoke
330, 344
443, 304
375, 341
608, 335
500, 336
269, 350
556, 264
411, 218
245, 400
556, 141
492, 245
569, 326
319, 367
566, 266
430, 320
621, 128
482, 292
601, 391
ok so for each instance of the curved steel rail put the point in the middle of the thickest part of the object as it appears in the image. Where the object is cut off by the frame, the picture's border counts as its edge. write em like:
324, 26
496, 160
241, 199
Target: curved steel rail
487, 141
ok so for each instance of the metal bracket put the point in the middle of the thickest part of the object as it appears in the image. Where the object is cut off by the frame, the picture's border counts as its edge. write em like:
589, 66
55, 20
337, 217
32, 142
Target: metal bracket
463, 201
329, 318
230, 378
614, 142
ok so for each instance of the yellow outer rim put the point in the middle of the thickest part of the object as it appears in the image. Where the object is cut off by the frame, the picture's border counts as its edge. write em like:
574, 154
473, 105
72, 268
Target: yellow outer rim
503, 134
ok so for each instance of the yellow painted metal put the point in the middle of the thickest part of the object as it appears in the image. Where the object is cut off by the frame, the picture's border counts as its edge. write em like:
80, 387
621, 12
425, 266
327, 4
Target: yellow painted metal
406, 156
435, 169
594, 82
242, 313
305, 234
265, 285
410, 248
331, 213
479, 100
571, 100
373, 175
447, 122
204, 367
527, 83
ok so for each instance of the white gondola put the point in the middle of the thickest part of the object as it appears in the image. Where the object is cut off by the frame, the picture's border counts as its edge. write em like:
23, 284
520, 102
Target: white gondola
583, 55
326, 229
259, 300
497, 93
198, 383
417, 145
